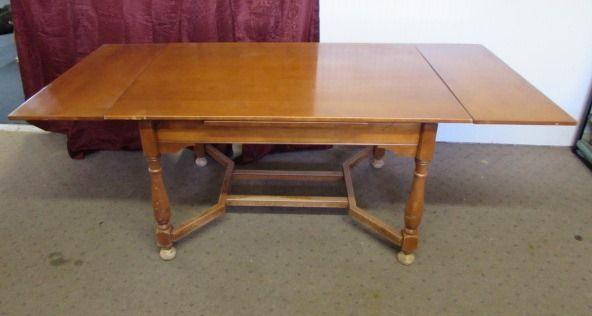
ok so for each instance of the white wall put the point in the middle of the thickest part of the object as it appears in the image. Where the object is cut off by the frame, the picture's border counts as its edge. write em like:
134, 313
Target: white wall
549, 42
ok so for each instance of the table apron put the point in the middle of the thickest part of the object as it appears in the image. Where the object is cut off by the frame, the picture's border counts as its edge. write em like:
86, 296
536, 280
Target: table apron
331, 133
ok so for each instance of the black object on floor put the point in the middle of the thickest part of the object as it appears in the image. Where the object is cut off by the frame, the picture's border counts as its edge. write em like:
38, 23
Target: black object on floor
5, 20
583, 146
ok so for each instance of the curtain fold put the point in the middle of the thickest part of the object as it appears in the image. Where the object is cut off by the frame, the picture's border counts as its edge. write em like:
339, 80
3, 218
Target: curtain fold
51, 36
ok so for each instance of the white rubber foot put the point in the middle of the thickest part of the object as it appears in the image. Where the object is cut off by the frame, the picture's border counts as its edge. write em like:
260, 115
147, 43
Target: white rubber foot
201, 161
168, 254
377, 163
405, 259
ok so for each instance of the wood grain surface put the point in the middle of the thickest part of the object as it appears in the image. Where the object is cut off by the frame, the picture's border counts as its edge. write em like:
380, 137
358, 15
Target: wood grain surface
491, 91
289, 82
293, 82
87, 90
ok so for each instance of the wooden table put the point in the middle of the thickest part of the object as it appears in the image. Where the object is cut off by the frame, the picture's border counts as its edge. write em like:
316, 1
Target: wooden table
384, 96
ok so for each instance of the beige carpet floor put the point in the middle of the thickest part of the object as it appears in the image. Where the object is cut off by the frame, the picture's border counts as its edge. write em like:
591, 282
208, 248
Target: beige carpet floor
507, 231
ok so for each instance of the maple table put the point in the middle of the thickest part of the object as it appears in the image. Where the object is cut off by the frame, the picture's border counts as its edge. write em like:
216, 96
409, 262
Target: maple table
384, 96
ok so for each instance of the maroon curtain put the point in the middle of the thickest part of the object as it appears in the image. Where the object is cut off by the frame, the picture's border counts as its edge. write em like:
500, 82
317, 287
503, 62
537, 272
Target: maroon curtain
52, 36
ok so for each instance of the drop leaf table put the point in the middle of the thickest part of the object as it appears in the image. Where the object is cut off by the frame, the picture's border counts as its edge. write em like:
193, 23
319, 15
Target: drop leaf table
381, 96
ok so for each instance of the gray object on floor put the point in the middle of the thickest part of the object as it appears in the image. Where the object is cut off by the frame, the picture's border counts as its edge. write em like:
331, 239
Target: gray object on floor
507, 230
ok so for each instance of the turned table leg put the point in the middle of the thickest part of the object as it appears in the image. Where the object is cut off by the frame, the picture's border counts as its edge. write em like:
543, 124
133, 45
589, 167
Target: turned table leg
413, 213
160, 199
415, 201
162, 211
377, 157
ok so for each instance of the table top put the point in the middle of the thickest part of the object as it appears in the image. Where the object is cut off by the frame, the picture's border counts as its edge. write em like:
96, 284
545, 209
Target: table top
427, 83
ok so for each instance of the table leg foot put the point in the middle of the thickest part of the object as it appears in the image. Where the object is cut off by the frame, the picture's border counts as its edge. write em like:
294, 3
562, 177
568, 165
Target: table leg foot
405, 259
168, 254
200, 155
377, 157
377, 163
201, 161
237, 150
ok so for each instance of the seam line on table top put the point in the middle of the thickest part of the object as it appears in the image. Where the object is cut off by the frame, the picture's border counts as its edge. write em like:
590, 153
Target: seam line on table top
445, 84
160, 52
